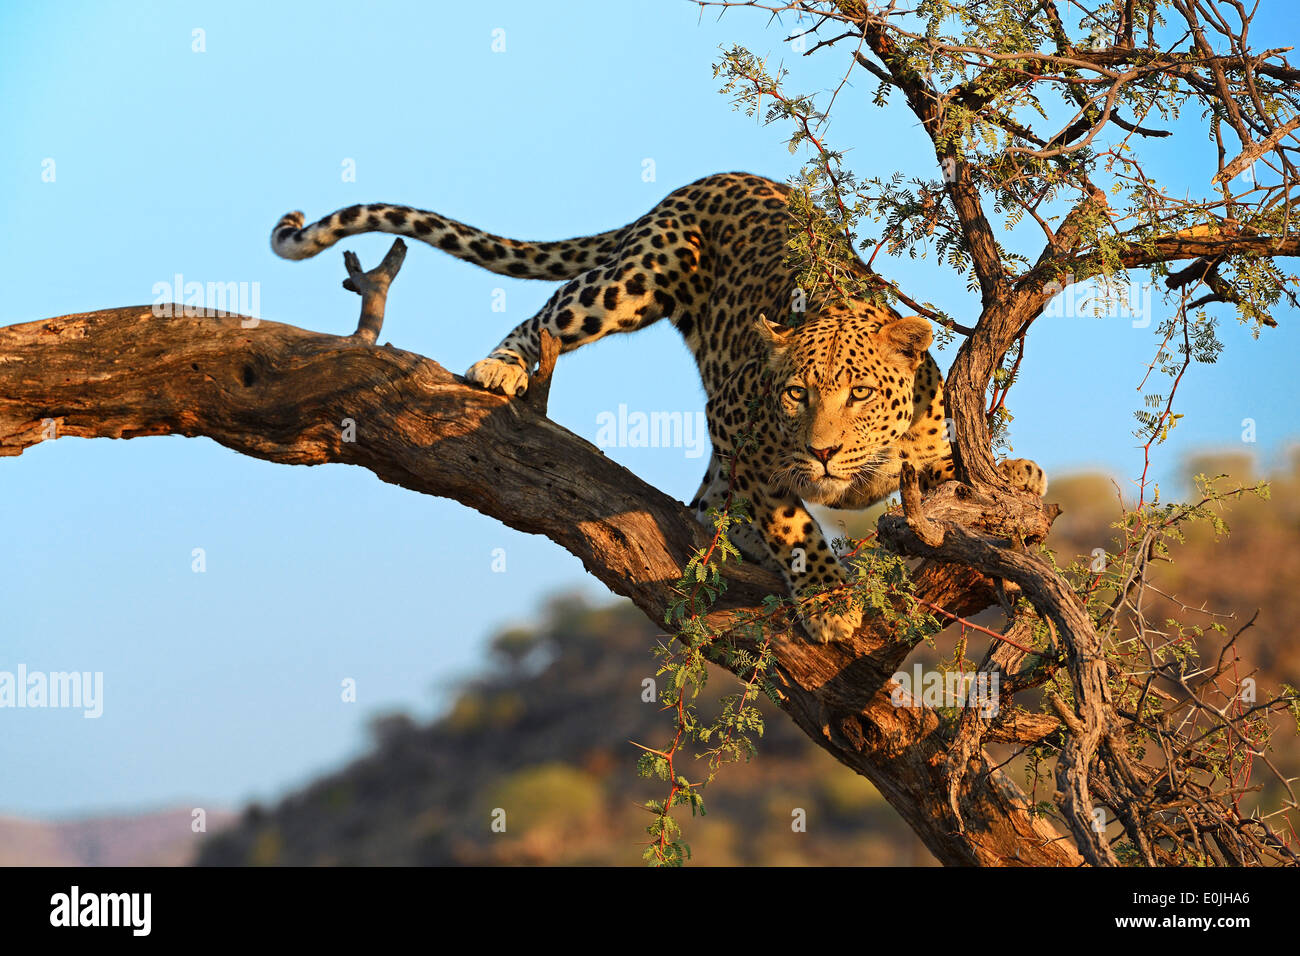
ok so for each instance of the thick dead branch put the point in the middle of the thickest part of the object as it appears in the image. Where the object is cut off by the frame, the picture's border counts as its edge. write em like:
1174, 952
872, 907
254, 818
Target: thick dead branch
286, 395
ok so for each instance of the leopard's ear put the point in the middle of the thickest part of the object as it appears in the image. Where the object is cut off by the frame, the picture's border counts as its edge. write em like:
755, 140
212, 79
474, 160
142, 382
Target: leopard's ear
908, 338
771, 333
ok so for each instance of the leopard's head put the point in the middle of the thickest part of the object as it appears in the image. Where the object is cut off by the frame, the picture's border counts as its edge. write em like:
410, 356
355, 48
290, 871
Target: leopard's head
843, 395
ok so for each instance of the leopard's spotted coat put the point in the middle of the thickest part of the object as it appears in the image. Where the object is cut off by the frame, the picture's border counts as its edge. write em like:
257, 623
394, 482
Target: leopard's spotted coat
846, 396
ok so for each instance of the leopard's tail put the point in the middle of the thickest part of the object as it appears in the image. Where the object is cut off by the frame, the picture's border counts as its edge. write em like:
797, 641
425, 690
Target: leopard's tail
561, 259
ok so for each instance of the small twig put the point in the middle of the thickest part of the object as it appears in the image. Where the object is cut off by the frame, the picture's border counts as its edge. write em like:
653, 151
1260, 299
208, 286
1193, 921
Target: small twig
928, 531
1254, 151
539, 386
372, 286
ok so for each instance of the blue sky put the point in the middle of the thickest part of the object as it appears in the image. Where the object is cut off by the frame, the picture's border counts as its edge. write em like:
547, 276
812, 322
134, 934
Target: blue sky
225, 686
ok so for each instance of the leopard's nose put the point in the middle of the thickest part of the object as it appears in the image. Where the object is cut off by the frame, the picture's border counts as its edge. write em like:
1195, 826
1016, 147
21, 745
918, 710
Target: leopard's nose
824, 455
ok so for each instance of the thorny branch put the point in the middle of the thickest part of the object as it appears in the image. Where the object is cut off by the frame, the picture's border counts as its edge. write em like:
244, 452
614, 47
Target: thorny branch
977, 88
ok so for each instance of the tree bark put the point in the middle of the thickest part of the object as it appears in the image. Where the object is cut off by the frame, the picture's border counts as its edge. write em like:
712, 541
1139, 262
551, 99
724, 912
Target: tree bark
287, 395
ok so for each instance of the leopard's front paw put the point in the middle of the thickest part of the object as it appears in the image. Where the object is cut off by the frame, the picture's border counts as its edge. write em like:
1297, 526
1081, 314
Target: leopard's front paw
824, 625
1025, 475
509, 377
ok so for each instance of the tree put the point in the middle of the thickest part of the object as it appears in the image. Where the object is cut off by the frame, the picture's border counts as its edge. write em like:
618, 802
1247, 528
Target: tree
1112, 683
976, 76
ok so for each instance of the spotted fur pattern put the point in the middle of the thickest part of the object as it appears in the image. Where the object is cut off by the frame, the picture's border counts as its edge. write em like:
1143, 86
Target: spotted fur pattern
845, 397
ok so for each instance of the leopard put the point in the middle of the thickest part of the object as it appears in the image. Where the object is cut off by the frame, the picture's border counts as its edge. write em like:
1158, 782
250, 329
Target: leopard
824, 410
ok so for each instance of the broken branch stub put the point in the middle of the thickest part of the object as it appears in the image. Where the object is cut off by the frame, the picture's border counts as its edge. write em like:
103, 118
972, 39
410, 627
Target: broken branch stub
372, 286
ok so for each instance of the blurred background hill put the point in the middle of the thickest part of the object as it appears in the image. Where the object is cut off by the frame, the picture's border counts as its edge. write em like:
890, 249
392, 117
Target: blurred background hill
545, 736
157, 838
544, 732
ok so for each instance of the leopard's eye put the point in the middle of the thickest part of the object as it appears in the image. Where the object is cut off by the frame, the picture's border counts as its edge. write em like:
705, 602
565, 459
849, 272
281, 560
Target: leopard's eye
796, 394
860, 393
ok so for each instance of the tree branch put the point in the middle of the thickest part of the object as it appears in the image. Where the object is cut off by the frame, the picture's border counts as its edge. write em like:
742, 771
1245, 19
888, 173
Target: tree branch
286, 395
